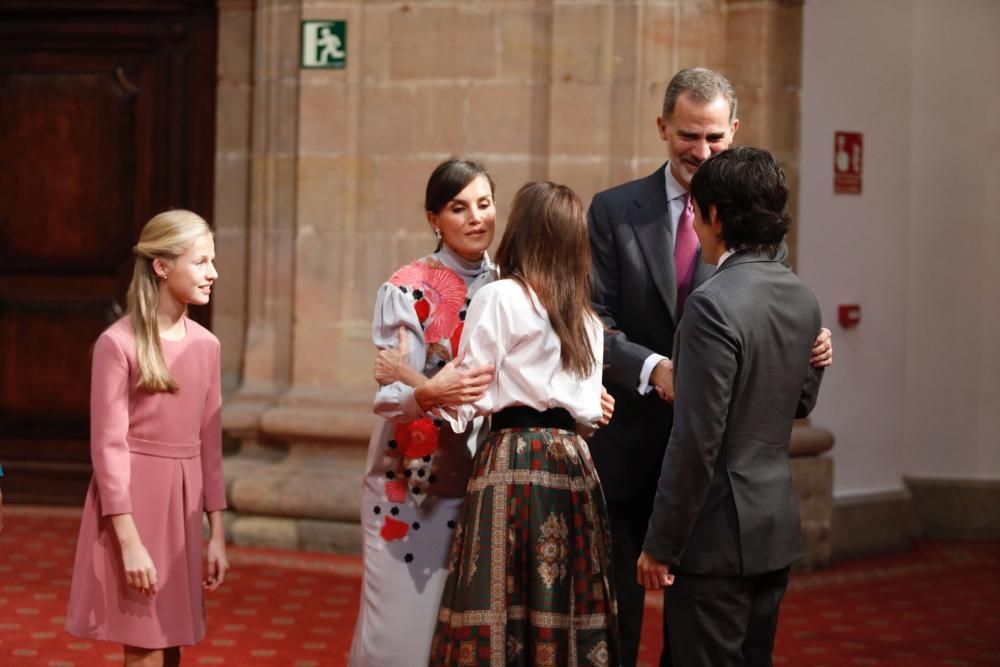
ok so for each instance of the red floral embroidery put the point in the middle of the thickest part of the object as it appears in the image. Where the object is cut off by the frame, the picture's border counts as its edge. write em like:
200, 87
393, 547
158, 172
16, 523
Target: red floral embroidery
416, 439
423, 309
395, 491
394, 530
443, 291
455, 338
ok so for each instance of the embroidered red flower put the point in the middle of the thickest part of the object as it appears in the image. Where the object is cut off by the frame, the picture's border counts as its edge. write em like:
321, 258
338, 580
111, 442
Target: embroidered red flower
395, 491
394, 529
416, 439
455, 338
441, 289
423, 309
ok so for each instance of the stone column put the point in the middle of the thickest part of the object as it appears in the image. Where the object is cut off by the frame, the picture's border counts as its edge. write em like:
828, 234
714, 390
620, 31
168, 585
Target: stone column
269, 278
272, 212
764, 62
232, 183
305, 493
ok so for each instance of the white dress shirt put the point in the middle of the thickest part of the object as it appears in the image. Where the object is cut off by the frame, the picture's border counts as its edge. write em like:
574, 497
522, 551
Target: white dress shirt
510, 330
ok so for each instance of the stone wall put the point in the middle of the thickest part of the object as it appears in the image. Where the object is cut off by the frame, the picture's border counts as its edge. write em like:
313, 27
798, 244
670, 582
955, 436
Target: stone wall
320, 175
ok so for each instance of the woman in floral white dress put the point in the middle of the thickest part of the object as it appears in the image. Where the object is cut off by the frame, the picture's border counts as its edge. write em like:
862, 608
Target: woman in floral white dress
417, 467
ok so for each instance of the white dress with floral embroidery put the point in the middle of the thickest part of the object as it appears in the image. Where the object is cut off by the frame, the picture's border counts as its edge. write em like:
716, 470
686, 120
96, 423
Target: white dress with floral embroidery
417, 467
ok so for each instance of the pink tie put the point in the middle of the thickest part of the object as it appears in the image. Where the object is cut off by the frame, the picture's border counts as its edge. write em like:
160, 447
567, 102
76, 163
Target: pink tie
685, 252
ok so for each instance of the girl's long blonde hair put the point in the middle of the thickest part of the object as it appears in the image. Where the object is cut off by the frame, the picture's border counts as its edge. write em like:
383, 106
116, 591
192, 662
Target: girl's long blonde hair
166, 236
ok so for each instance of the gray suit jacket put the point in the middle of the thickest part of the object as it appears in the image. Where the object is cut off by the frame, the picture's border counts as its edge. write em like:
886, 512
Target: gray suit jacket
724, 503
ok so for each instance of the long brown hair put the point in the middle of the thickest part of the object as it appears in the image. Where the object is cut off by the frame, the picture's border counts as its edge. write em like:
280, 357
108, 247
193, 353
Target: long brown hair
545, 247
166, 236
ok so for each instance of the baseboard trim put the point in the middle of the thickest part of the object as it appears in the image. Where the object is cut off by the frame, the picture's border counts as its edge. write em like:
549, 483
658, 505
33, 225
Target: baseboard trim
956, 508
870, 524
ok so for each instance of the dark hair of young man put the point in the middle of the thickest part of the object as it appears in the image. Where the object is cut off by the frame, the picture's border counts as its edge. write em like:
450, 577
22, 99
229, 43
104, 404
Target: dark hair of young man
747, 188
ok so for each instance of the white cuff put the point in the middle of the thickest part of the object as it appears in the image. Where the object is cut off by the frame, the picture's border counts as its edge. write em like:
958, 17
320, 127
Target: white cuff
457, 418
647, 370
408, 405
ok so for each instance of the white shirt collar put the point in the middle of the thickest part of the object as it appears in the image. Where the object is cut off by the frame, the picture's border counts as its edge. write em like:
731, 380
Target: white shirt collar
674, 189
725, 256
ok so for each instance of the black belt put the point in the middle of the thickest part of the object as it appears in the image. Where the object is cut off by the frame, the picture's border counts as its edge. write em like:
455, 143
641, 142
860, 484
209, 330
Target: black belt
521, 416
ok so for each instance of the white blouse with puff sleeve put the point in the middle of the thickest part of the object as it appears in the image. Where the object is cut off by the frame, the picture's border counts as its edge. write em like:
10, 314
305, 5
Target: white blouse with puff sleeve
510, 330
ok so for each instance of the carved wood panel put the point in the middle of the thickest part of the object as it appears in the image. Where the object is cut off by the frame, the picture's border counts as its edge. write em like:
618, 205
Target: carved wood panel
106, 117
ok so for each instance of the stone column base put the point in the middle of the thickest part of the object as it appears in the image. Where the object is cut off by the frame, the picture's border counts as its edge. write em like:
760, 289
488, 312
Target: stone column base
812, 476
251, 530
306, 498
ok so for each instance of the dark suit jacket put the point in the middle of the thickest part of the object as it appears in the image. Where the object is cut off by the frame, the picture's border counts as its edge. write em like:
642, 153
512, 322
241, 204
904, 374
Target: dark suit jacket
724, 503
635, 293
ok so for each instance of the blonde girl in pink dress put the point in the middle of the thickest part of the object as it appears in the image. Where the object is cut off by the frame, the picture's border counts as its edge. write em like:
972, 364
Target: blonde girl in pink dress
157, 455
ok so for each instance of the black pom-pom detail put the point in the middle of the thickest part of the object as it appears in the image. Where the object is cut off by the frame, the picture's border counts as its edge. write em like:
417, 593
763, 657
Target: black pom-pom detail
440, 363
461, 315
427, 459
415, 490
451, 524
421, 472
408, 558
408, 473
418, 294
390, 475
377, 510
394, 511
416, 525
393, 444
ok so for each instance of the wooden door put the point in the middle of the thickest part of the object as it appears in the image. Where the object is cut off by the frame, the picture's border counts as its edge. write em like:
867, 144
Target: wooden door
106, 117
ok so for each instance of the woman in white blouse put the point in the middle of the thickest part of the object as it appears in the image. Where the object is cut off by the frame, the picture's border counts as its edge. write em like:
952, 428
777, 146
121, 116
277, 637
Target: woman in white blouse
528, 580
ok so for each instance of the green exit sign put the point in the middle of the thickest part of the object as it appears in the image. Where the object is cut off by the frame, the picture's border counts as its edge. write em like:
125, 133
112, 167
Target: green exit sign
324, 44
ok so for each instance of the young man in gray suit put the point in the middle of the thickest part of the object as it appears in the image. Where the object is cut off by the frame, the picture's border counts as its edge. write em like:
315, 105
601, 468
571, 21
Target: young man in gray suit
645, 263
725, 524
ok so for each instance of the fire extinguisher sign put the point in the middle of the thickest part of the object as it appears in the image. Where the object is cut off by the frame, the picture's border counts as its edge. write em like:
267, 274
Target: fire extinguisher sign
848, 162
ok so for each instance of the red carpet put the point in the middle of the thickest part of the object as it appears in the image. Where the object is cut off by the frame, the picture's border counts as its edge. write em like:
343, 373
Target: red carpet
938, 604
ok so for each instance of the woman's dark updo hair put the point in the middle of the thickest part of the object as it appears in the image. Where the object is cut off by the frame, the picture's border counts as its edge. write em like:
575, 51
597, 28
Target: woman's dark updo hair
747, 188
448, 179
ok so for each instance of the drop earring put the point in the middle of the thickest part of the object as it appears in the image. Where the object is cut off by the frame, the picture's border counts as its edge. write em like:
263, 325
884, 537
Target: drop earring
437, 234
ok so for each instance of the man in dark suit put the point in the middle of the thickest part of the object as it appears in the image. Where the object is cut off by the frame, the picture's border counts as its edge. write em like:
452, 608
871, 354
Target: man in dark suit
637, 292
725, 525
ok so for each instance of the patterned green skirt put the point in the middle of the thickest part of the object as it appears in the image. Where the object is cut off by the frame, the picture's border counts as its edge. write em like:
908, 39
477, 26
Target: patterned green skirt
528, 577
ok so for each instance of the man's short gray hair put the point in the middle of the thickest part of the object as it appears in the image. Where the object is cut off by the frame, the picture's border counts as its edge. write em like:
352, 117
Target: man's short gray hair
703, 85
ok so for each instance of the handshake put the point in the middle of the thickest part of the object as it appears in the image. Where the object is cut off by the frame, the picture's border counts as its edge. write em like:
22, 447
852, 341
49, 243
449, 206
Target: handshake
662, 379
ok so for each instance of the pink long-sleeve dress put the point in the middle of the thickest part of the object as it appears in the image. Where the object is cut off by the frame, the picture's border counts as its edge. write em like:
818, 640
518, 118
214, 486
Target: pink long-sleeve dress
158, 456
